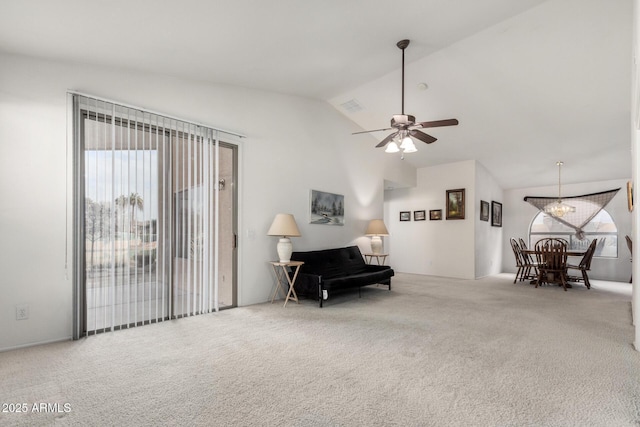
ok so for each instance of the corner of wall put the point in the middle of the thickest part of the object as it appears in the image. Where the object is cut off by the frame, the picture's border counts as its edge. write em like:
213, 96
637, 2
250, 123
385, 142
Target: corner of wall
398, 173
488, 239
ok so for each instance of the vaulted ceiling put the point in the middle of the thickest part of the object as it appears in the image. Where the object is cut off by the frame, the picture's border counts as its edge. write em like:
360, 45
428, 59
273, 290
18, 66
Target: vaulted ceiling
531, 81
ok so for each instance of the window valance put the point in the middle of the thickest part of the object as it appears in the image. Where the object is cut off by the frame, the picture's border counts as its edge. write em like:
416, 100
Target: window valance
586, 207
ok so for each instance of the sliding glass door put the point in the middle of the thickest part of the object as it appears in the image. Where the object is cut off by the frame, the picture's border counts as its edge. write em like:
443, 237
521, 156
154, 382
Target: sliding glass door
154, 220
202, 240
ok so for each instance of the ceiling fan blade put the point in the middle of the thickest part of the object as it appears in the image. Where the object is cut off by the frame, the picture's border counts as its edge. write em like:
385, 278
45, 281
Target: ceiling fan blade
386, 140
438, 123
422, 136
367, 131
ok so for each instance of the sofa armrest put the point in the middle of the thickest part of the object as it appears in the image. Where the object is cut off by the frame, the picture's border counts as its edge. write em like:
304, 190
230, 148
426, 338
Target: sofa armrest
308, 285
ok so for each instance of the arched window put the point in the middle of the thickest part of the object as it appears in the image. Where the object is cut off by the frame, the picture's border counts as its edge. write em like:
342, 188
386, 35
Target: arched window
601, 227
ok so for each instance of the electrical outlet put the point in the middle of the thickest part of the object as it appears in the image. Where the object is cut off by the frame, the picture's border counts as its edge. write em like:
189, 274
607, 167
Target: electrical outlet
22, 312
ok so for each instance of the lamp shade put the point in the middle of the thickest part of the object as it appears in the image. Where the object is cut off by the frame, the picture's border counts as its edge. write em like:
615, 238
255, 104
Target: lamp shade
376, 228
284, 225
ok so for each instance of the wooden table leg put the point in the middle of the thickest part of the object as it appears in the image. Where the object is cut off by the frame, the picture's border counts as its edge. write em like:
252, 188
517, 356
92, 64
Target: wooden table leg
291, 290
278, 283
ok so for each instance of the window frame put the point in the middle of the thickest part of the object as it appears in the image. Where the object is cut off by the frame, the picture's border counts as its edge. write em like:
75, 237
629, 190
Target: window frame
570, 235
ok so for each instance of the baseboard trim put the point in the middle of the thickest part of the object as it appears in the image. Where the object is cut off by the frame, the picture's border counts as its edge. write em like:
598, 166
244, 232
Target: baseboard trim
33, 344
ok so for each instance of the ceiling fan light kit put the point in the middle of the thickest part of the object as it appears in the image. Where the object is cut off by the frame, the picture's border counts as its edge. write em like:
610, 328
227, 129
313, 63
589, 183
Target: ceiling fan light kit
392, 147
406, 128
407, 145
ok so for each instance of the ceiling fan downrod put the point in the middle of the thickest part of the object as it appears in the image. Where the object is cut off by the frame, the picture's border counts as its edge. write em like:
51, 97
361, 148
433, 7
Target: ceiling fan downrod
402, 44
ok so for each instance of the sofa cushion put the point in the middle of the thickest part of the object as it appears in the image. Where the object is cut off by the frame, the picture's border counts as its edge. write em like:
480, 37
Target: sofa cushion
330, 263
359, 279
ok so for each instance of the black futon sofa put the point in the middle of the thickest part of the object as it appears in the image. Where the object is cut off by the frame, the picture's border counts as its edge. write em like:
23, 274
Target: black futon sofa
326, 271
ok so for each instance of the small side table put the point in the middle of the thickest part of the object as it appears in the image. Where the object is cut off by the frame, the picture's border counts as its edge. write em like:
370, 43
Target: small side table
369, 258
283, 278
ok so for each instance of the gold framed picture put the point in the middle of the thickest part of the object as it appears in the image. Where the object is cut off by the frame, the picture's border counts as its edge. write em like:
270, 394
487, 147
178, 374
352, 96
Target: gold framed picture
455, 204
435, 214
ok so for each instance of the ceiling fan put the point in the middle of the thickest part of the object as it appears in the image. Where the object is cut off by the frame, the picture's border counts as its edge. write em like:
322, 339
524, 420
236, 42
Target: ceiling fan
405, 125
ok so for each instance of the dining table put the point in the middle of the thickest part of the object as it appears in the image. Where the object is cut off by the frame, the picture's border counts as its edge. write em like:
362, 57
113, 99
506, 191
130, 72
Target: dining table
570, 252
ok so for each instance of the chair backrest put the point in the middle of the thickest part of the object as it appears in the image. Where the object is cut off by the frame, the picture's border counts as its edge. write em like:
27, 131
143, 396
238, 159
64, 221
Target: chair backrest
516, 251
629, 244
526, 258
585, 263
538, 248
523, 245
552, 254
550, 240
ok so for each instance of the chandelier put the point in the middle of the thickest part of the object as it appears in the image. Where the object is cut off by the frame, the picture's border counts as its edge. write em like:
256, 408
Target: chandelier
559, 208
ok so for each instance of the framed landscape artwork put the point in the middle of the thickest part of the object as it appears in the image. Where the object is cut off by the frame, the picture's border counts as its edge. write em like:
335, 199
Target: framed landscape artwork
496, 214
435, 214
405, 216
419, 215
455, 204
484, 210
326, 208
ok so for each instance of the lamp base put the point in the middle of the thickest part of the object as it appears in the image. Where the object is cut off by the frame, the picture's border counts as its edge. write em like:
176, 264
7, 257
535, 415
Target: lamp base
285, 249
376, 244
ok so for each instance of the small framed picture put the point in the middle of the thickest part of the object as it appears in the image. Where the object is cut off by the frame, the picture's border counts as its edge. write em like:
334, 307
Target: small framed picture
405, 216
419, 215
496, 214
455, 204
484, 210
435, 214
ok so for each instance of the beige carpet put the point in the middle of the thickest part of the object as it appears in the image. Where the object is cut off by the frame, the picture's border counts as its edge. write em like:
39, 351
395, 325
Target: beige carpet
432, 352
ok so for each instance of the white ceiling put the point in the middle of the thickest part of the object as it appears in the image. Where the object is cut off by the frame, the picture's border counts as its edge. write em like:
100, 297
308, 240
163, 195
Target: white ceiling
531, 81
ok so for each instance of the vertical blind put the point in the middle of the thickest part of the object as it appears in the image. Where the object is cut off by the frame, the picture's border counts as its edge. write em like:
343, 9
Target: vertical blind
146, 216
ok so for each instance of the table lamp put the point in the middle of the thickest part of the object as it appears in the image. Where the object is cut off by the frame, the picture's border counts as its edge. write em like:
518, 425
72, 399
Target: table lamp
284, 225
376, 229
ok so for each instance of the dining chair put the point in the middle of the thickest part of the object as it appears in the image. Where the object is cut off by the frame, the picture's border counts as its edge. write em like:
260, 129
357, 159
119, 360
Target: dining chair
551, 254
630, 246
518, 254
523, 245
529, 262
584, 265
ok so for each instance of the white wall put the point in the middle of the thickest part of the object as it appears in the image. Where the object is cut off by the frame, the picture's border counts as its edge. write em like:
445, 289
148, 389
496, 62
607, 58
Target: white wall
438, 248
518, 214
398, 173
488, 239
293, 145
468, 248
635, 169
